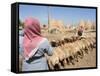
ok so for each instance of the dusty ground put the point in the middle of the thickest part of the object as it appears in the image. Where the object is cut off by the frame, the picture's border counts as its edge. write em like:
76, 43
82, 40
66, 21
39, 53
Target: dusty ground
89, 60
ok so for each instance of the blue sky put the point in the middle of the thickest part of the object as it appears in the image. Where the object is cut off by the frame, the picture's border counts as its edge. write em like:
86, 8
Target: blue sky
69, 15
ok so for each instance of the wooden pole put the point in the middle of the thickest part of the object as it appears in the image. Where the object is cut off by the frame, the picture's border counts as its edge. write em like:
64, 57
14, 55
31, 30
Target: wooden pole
48, 19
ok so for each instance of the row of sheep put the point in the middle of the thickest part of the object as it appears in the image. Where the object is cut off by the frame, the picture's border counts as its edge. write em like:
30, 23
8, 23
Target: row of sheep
71, 39
69, 53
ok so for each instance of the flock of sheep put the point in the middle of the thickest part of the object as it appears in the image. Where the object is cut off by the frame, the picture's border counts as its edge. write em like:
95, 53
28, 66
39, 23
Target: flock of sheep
68, 51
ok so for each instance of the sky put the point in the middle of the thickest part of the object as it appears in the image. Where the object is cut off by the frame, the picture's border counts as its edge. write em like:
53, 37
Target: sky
69, 15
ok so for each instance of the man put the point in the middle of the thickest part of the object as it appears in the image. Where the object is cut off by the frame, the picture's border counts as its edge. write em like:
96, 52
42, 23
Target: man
80, 31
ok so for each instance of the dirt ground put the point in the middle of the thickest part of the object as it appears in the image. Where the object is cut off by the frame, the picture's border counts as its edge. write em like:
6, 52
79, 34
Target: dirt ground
89, 60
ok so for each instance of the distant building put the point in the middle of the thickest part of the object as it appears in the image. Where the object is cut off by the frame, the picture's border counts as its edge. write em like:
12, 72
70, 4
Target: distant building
87, 25
94, 26
56, 25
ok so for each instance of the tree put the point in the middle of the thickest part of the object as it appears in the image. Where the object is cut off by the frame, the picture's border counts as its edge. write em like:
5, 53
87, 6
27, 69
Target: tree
21, 24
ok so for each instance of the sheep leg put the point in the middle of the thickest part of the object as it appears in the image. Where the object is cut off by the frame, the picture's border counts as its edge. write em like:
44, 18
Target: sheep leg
86, 50
64, 62
56, 67
51, 67
76, 58
94, 45
60, 66
68, 61
80, 54
90, 48
71, 60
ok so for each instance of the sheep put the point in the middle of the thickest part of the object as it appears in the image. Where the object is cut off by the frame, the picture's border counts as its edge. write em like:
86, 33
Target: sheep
89, 44
69, 53
53, 60
66, 40
92, 43
61, 56
77, 50
66, 52
82, 47
86, 42
91, 40
74, 38
60, 53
